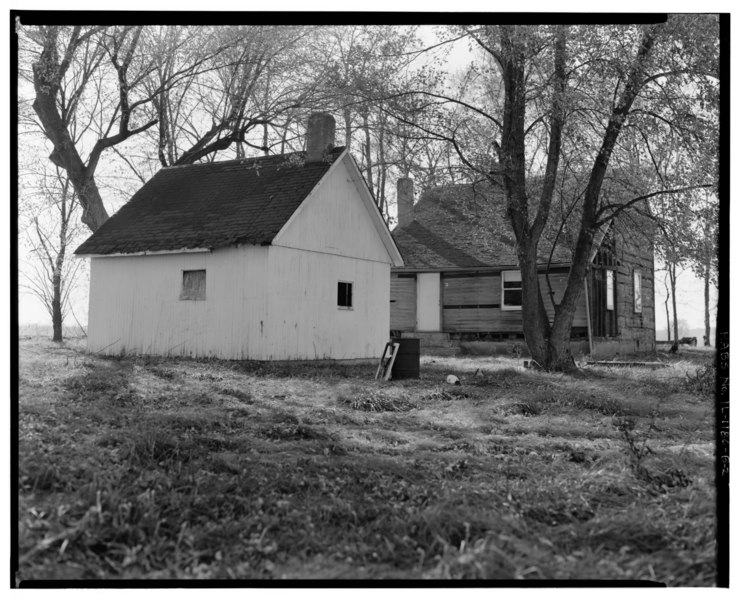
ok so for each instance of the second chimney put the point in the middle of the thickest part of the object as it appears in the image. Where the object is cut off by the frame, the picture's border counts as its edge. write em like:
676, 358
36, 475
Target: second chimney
404, 201
319, 136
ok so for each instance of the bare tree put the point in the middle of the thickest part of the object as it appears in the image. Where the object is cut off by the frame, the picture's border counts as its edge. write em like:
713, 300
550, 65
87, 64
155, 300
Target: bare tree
51, 226
103, 74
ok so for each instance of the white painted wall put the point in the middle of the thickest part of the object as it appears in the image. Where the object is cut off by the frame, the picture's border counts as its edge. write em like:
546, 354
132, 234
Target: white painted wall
334, 220
428, 302
135, 304
262, 302
305, 322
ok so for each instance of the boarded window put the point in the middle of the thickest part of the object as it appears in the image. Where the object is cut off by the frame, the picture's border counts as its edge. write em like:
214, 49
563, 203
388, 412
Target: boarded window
637, 293
511, 290
610, 291
194, 285
344, 294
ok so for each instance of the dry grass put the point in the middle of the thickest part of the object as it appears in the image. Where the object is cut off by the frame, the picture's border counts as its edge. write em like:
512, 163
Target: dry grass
153, 468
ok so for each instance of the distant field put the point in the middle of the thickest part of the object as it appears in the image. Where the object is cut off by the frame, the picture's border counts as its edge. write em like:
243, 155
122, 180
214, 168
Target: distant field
153, 468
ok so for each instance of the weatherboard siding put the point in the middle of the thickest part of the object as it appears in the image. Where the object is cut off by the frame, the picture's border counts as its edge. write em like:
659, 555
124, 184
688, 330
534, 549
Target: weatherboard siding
470, 303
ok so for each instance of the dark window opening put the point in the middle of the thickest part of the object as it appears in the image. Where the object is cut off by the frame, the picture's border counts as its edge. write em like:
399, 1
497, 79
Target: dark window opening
344, 294
194, 285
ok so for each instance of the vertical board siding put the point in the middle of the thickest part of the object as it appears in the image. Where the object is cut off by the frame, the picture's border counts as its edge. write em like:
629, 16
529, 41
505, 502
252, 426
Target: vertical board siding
334, 220
261, 303
305, 321
403, 303
428, 302
135, 304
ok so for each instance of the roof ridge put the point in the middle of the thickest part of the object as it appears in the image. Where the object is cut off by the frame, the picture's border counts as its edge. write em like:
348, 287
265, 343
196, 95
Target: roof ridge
233, 161
247, 159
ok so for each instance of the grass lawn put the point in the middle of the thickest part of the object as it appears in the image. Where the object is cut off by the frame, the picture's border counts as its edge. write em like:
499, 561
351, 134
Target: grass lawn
153, 468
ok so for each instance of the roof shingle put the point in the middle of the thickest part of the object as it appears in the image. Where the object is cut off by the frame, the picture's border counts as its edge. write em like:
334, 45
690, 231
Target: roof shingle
211, 205
456, 226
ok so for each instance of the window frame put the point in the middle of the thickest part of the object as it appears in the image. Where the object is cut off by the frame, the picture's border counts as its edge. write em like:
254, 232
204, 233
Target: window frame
637, 291
351, 285
503, 276
186, 295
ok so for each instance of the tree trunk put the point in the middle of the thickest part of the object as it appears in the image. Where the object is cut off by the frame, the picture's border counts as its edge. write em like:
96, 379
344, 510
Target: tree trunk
347, 116
673, 285
367, 152
56, 308
707, 301
381, 196
47, 73
666, 306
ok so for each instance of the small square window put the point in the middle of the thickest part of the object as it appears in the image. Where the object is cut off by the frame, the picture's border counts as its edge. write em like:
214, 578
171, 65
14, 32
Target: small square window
511, 290
344, 294
194, 285
637, 292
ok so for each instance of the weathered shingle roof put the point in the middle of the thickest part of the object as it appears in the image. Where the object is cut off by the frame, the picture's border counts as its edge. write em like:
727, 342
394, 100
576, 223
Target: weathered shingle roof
452, 228
211, 205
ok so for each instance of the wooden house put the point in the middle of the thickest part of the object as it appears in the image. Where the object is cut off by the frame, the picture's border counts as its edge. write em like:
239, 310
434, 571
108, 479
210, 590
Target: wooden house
460, 283
276, 257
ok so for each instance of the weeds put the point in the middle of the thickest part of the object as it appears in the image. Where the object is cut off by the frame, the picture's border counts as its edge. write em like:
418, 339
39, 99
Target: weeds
445, 394
255, 470
658, 479
295, 431
703, 380
375, 400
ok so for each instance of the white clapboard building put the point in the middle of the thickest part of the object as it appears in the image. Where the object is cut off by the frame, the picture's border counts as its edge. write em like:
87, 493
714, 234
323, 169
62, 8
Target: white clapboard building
269, 258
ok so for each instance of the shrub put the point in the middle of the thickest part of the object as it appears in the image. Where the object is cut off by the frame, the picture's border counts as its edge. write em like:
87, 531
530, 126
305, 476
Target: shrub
703, 380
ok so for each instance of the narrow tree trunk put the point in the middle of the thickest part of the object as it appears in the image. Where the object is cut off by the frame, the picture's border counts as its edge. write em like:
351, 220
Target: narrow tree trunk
56, 308
707, 301
673, 284
368, 155
347, 116
381, 196
666, 306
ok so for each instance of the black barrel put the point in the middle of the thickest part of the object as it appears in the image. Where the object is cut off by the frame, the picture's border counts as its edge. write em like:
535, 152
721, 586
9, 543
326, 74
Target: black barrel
406, 365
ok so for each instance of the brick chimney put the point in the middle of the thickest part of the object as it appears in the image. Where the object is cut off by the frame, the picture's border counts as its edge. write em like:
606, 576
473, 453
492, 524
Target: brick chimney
319, 136
404, 201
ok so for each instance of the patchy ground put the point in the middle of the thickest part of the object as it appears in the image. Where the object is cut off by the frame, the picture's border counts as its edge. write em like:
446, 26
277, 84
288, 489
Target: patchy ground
170, 468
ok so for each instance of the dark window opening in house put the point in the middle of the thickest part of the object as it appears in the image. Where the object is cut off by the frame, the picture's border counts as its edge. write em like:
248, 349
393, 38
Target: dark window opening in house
344, 294
194, 285
511, 290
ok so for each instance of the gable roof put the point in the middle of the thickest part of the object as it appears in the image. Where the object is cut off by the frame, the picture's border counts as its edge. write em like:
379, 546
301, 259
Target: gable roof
447, 232
211, 205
